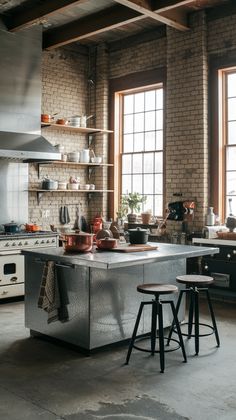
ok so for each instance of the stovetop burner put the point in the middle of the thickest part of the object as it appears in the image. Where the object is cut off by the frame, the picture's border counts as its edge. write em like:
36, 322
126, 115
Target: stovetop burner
24, 233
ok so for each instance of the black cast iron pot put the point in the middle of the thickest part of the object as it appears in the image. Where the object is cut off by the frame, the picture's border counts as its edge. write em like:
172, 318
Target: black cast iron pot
138, 236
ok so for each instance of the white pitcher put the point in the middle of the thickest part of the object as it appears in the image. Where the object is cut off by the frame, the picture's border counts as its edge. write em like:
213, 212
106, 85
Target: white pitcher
85, 156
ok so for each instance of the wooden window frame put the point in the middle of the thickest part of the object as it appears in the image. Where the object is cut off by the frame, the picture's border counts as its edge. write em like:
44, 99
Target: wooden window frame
132, 81
217, 182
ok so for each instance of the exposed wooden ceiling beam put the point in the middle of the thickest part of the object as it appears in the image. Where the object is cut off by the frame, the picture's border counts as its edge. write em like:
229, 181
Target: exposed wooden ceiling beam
27, 17
165, 5
177, 20
96, 23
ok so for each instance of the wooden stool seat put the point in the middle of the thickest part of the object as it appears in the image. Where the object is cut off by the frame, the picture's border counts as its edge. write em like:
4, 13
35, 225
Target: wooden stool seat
195, 284
194, 280
155, 288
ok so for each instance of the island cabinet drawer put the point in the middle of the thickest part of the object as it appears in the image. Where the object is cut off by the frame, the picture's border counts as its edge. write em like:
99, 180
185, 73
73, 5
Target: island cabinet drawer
226, 253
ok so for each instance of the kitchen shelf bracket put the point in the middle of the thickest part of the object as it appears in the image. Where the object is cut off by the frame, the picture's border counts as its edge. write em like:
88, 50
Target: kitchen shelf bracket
39, 196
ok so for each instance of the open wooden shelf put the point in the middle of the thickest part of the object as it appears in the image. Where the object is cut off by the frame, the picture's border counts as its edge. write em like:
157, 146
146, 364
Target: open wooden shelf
85, 130
68, 191
67, 163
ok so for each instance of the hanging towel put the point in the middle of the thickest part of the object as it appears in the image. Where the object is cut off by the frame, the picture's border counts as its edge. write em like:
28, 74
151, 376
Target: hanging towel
51, 298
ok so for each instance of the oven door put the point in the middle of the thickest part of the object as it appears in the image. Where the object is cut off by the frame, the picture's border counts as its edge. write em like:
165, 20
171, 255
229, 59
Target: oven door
11, 268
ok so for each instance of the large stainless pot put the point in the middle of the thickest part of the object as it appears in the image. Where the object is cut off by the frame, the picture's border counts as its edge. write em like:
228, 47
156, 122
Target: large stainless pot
138, 236
78, 242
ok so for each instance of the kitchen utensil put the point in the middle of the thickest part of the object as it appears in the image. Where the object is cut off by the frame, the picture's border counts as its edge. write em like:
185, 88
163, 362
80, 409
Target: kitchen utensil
176, 211
96, 159
104, 233
78, 242
85, 156
138, 236
62, 215
75, 121
62, 121
84, 119
49, 184
231, 220
134, 248
73, 156
11, 227
106, 243
66, 215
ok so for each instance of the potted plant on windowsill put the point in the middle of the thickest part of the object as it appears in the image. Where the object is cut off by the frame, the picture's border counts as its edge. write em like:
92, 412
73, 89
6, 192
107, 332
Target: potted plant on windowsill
133, 202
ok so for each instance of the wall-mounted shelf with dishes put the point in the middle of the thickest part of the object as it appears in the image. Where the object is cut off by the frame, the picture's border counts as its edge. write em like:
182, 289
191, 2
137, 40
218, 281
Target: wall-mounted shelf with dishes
40, 192
85, 130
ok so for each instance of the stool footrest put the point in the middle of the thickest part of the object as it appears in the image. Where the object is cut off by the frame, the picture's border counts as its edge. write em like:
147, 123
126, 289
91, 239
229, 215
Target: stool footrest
193, 335
155, 351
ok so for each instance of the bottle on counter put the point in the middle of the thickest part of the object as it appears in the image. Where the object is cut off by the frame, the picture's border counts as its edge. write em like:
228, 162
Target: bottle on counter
210, 219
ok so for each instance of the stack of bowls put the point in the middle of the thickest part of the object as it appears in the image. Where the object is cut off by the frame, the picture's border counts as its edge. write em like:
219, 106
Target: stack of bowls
75, 121
73, 156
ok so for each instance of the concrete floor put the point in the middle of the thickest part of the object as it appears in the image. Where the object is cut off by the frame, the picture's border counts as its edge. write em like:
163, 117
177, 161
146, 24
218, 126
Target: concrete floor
41, 380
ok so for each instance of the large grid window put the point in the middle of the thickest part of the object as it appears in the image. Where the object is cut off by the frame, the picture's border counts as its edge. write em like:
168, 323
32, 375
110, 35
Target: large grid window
228, 130
142, 147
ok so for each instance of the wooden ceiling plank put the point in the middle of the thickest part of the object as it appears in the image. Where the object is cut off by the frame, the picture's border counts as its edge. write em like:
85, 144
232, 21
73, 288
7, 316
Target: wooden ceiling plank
146, 8
19, 20
96, 23
160, 6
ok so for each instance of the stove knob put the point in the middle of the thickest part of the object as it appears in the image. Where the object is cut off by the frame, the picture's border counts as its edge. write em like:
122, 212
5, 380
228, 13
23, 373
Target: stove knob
234, 251
48, 242
26, 243
14, 244
20, 244
53, 241
206, 267
7, 244
228, 256
42, 242
37, 242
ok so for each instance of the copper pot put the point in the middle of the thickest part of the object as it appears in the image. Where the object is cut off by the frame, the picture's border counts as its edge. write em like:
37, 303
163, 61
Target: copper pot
106, 243
78, 242
46, 118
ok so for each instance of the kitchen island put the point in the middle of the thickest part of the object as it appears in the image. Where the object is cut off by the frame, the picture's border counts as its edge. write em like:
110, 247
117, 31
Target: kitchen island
100, 291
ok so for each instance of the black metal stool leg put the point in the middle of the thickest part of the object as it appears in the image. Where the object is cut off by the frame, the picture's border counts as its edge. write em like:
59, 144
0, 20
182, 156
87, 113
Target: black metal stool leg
154, 326
213, 318
177, 310
174, 312
190, 312
196, 316
161, 337
134, 332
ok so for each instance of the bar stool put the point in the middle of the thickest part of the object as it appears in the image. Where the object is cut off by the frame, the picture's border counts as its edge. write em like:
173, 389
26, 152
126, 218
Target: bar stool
195, 284
157, 311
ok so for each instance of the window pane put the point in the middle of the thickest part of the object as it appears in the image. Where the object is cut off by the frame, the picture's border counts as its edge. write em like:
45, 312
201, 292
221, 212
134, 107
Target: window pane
159, 120
126, 184
158, 205
128, 143
159, 140
232, 85
159, 162
138, 122
137, 184
231, 159
137, 163
148, 163
128, 104
149, 205
158, 184
128, 124
138, 142
150, 121
231, 183
159, 99
150, 140
139, 102
232, 133
232, 109
150, 100
126, 164
148, 184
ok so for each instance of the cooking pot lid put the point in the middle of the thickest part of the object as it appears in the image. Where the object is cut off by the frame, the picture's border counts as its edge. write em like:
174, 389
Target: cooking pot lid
138, 229
11, 224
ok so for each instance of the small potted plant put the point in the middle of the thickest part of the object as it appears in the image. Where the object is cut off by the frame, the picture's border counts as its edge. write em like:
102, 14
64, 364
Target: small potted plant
133, 202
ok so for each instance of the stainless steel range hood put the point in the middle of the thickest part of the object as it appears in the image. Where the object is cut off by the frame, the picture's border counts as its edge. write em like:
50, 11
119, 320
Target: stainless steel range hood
26, 147
21, 91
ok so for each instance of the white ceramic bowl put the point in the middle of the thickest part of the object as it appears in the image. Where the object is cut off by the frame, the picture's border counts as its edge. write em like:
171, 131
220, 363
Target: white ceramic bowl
62, 185
96, 159
73, 186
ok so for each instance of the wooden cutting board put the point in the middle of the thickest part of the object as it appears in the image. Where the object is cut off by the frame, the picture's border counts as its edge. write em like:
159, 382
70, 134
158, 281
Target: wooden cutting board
134, 248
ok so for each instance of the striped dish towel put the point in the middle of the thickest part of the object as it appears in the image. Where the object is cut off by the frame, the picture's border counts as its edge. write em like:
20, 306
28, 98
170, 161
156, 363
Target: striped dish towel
49, 296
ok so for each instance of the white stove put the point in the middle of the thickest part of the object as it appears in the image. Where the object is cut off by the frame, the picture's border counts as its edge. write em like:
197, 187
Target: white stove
12, 270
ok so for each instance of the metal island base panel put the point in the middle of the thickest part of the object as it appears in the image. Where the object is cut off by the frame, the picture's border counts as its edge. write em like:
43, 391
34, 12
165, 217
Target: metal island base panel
102, 303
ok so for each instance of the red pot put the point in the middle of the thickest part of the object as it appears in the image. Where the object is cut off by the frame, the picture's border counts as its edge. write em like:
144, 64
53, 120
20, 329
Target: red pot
106, 243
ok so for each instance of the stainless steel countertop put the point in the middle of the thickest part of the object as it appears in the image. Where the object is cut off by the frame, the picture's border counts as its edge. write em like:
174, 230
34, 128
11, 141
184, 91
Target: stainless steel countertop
109, 260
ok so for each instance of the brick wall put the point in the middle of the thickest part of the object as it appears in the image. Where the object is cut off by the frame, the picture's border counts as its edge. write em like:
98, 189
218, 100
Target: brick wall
66, 90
